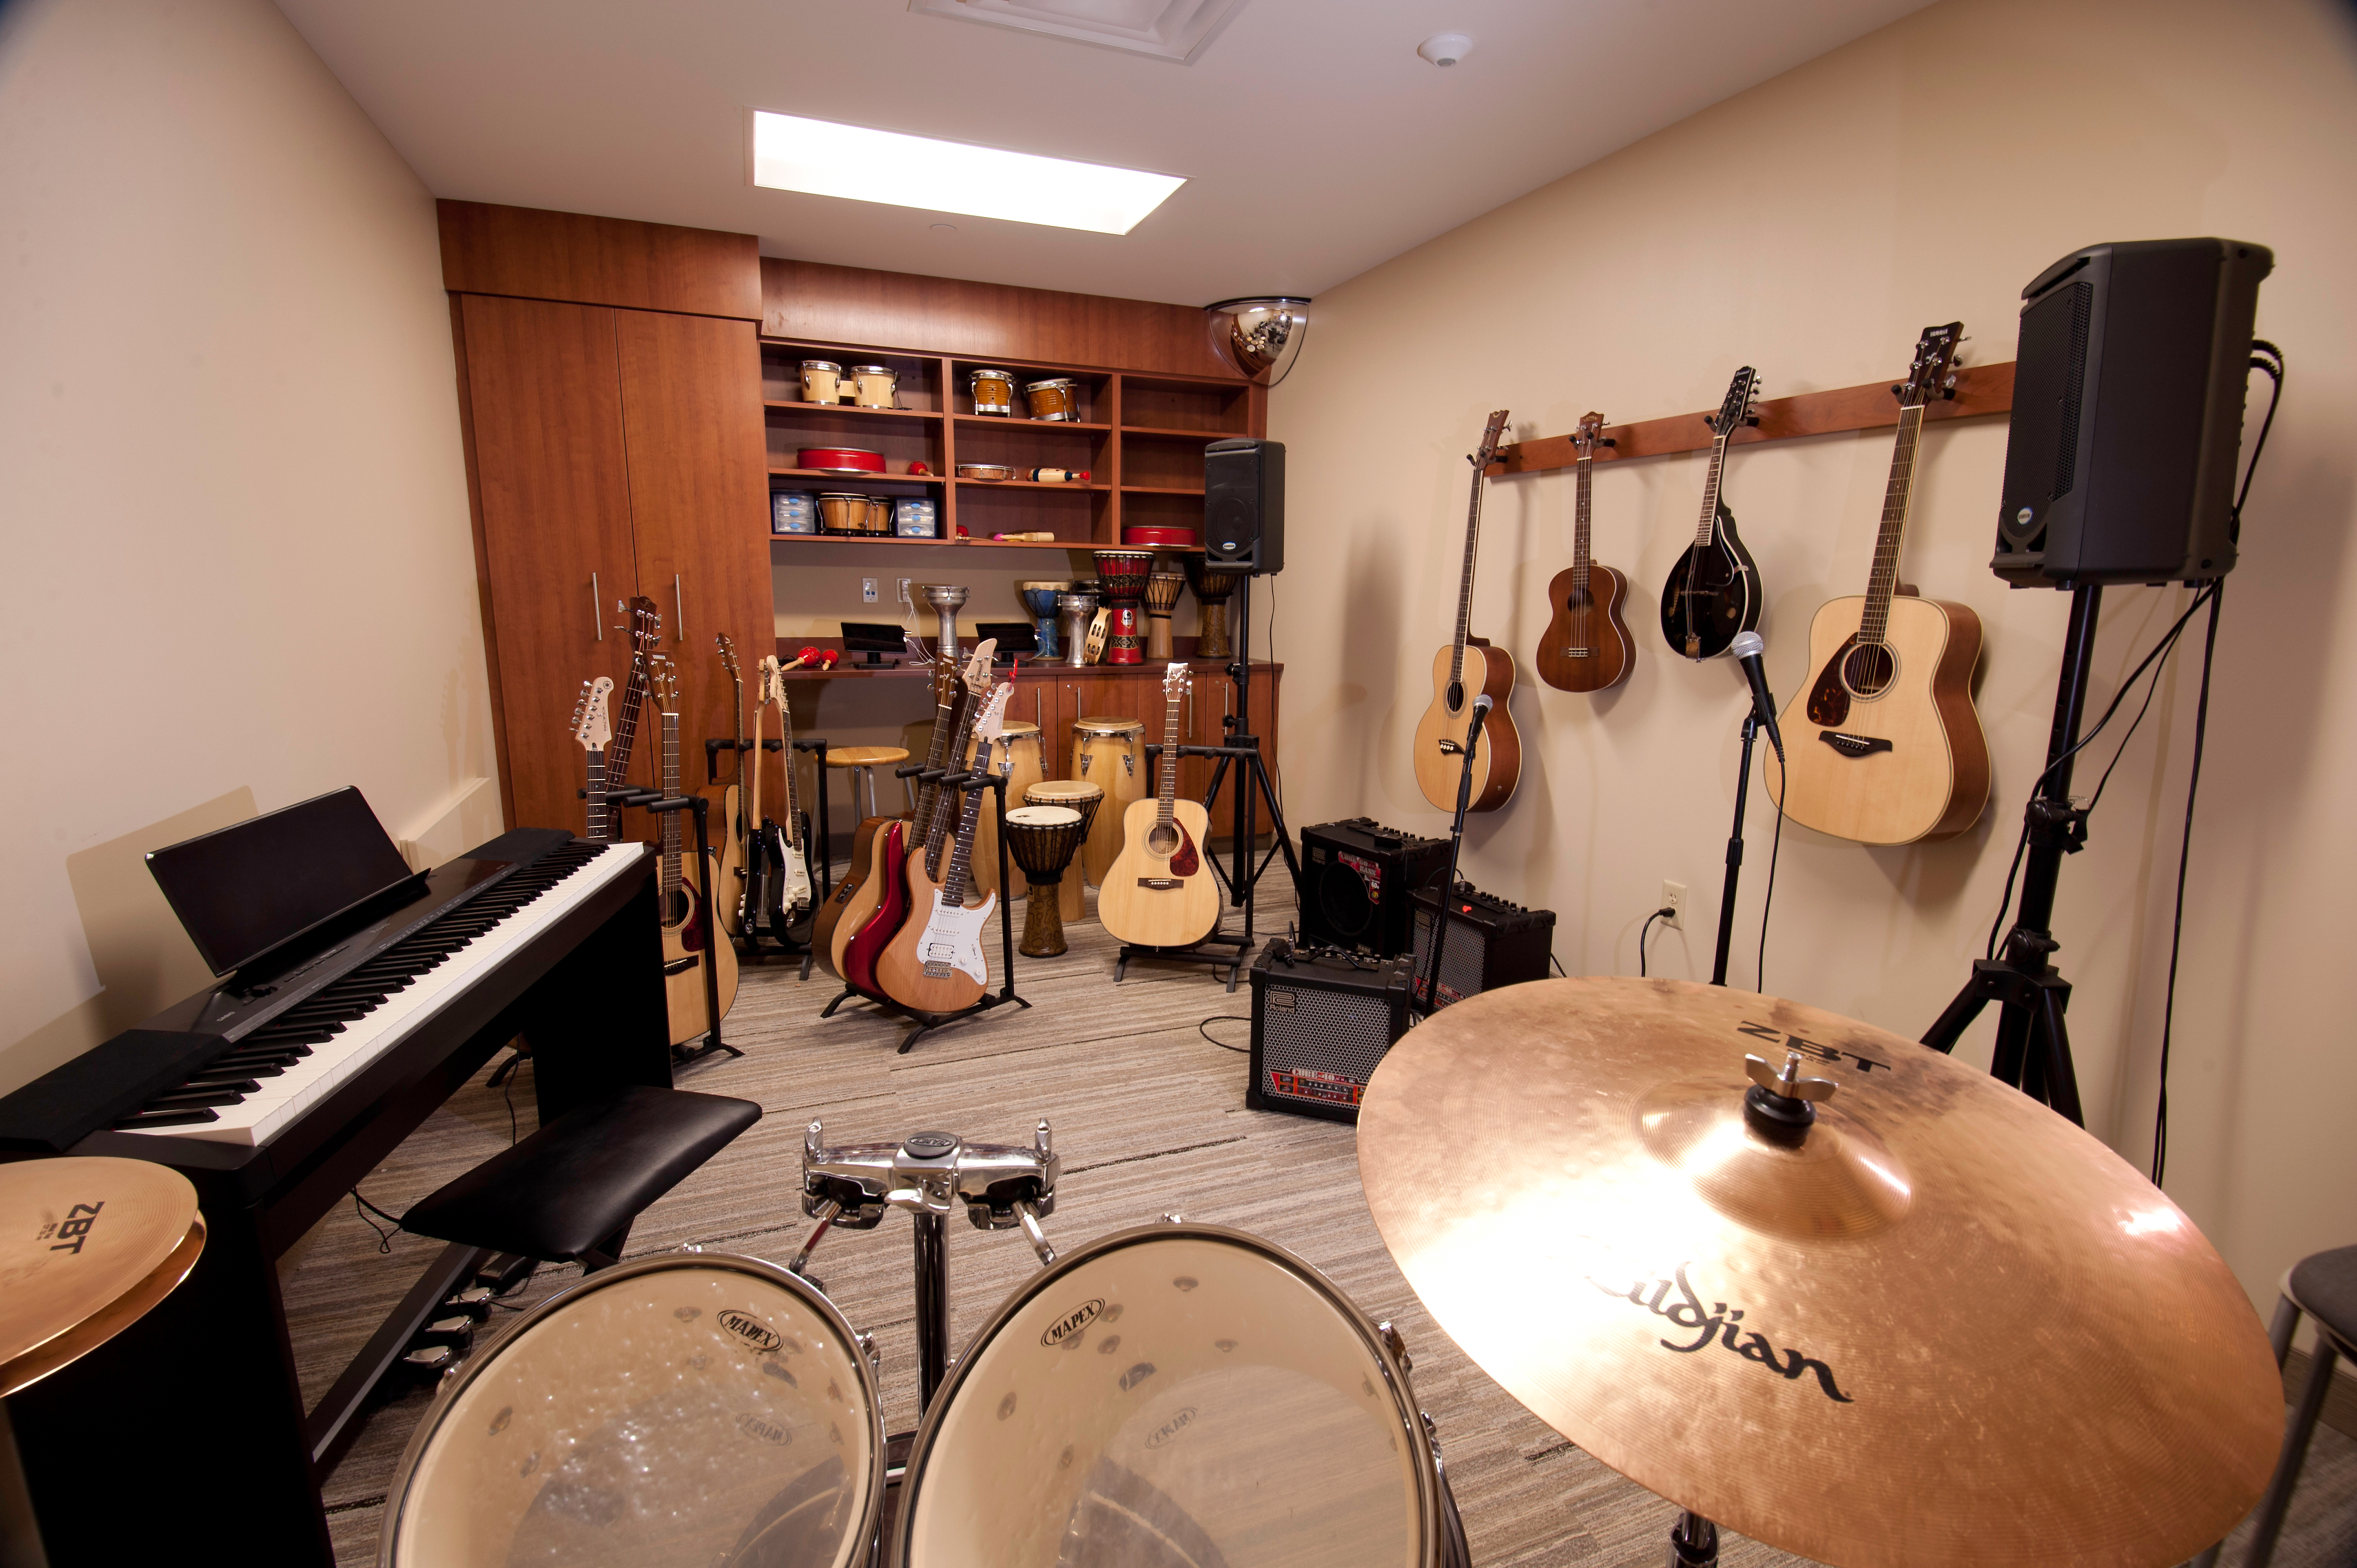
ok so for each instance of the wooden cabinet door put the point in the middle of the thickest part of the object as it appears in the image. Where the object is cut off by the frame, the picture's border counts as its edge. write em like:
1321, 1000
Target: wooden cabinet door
543, 417
691, 426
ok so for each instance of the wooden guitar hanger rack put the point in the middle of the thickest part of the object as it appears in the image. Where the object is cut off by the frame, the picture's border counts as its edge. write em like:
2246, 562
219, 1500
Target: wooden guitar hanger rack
1980, 390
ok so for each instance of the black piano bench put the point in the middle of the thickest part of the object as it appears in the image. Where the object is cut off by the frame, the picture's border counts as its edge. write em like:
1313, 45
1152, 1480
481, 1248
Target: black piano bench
570, 1192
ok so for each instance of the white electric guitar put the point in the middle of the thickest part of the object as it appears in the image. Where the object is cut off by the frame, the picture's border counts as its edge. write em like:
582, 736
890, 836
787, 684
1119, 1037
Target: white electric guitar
594, 729
935, 964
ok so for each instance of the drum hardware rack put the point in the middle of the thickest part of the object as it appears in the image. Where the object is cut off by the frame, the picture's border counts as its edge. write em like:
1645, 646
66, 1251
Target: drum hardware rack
1003, 1187
816, 867
954, 779
700, 807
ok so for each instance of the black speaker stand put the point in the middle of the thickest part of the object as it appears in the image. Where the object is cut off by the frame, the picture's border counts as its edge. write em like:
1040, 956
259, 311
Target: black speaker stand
2033, 1046
1253, 786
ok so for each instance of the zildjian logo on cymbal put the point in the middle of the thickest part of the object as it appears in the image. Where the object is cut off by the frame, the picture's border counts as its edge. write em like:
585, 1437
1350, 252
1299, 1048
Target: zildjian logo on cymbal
1718, 1323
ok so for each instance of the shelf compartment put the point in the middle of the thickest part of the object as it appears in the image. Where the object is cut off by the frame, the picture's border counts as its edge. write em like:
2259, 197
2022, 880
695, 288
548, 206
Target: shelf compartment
781, 373
1163, 462
900, 441
1034, 445
1080, 516
1161, 490
1162, 508
1212, 409
1093, 401
1009, 422
964, 485
827, 479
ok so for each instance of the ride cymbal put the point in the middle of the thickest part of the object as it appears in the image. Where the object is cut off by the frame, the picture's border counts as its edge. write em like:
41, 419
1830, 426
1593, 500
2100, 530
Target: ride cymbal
1940, 1326
86, 1247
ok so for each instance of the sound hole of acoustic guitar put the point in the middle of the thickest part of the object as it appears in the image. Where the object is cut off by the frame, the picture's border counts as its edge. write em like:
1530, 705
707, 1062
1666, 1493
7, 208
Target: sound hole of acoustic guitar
1162, 839
1867, 670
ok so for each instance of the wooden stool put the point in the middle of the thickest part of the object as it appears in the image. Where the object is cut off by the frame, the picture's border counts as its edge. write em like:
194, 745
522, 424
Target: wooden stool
861, 762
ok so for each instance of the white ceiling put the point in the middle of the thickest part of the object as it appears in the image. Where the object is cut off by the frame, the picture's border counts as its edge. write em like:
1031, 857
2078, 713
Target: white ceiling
1314, 142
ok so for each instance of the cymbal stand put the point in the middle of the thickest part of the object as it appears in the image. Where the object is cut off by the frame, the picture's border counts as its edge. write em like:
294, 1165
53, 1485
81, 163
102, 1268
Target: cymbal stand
2033, 1045
1432, 998
1694, 1542
1003, 1187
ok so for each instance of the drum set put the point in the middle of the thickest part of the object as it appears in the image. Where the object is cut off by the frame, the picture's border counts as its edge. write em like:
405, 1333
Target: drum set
1792, 1273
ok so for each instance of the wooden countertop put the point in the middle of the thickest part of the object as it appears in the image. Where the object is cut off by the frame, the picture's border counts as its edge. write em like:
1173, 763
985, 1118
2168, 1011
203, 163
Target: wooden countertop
1053, 668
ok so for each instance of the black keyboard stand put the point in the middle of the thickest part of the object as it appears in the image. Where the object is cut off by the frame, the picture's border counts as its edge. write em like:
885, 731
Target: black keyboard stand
655, 801
926, 1022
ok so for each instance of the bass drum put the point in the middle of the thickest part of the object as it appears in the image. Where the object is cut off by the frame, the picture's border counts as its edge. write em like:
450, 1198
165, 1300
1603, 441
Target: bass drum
695, 1408
1177, 1396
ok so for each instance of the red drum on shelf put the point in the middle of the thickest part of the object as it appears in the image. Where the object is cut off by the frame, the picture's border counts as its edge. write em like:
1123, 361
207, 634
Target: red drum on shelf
840, 459
1120, 576
1159, 533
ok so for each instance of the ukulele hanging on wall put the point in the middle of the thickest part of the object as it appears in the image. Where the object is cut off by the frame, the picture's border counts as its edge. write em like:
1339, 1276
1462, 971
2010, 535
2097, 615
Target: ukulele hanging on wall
1463, 670
1586, 646
1714, 590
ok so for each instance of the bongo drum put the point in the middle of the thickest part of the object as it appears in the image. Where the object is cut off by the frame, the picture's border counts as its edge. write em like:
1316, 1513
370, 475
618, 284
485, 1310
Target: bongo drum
1042, 839
1109, 753
1021, 758
1084, 797
1212, 591
1162, 591
1177, 1394
690, 1408
1122, 576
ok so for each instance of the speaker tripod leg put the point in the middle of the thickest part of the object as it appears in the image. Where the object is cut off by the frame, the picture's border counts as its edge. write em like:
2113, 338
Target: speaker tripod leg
1694, 1542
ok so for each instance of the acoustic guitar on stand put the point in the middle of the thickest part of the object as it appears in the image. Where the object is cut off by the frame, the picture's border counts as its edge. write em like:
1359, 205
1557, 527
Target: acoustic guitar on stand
1884, 747
1461, 672
1158, 892
1714, 590
688, 943
936, 963
1586, 646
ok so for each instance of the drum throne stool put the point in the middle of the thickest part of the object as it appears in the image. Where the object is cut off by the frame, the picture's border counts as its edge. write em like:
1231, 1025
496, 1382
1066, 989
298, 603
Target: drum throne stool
861, 762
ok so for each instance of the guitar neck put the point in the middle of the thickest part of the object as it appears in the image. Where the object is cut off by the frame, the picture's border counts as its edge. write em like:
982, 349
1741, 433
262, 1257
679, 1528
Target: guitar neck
749, 812
1710, 524
1465, 581
1168, 786
625, 727
945, 729
671, 791
954, 880
1897, 498
786, 755
601, 815
1584, 480
937, 832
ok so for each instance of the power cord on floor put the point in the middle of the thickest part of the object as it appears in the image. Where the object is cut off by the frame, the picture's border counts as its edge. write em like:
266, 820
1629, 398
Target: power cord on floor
1203, 1029
1666, 912
363, 1208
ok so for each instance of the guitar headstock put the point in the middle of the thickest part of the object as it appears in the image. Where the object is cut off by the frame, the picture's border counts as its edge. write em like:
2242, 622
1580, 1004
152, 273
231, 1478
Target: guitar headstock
592, 725
663, 680
991, 725
728, 651
770, 680
1590, 435
1934, 372
1490, 437
1739, 407
645, 624
1178, 681
977, 665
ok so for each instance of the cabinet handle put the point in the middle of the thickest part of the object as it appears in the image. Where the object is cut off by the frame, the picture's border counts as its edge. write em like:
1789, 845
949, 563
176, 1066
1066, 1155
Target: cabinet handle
679, 605
1039, 710
596, 607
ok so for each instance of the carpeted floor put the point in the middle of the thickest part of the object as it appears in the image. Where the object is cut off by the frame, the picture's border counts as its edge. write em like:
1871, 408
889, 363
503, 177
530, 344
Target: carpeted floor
1148, 1118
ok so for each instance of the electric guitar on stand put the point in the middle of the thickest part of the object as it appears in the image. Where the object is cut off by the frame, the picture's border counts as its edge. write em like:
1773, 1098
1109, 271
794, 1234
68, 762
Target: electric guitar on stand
645, 626
593, 727
1440, 734
936, 963
1714, 590
1884, 747
1586, 646
688, 943
1158, 892
785, 894
736, 823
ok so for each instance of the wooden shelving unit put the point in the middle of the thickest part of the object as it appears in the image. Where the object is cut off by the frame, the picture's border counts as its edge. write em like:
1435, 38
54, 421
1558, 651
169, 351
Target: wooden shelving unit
1141, 437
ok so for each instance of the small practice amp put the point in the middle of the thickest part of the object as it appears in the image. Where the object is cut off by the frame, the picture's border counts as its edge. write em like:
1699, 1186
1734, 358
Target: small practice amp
1490, 943
1319, 1026
1356, 875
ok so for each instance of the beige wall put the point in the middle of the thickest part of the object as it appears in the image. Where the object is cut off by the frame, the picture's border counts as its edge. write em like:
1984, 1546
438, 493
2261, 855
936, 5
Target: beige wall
1812, 226
235, 514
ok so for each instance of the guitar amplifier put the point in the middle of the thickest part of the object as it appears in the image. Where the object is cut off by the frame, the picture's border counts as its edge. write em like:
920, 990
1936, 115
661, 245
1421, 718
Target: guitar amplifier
1490, 943
1319, 1026
1356, 878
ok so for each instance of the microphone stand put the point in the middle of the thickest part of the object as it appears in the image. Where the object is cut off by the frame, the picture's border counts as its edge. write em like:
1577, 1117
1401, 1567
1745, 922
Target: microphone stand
1734, 851
1432, 1003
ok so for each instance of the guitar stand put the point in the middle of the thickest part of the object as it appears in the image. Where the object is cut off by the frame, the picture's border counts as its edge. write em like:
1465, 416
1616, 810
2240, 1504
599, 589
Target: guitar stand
928, 1022
1431, 999
2033, 1046
749, 944
655, 801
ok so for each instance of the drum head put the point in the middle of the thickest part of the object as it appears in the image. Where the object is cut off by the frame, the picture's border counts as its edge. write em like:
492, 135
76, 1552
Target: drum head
1051, 790
695, 1410
1178, 1396
1043, 816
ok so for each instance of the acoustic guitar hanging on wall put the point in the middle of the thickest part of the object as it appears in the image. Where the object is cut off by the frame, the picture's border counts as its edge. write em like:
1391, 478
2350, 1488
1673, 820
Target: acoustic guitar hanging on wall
1463, 670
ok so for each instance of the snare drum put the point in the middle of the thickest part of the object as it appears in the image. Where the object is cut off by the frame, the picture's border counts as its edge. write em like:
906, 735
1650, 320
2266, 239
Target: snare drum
1109, 753
687, 1407
1085, 799
1020, 757
1177, 1394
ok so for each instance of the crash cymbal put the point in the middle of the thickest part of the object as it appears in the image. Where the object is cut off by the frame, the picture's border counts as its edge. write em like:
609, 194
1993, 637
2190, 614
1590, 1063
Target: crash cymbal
1940, 1326
86, 1247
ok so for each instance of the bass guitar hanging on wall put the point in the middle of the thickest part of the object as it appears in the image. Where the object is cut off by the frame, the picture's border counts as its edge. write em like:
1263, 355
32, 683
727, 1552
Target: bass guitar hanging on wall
1463, 670
1714, 590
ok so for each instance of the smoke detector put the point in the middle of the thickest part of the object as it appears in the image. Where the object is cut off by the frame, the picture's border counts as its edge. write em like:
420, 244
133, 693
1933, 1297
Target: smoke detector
1445, 48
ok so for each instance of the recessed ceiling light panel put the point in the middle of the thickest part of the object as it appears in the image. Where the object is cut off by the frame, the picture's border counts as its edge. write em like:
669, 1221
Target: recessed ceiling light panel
1170, 29
820, 157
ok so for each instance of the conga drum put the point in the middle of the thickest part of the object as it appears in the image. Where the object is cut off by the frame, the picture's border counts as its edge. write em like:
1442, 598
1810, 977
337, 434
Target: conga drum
1109, 753
1142, 1403
1212, 592
1081, 797
1021, 758
1162, 591
692, 1407
1122, 576
1042, 841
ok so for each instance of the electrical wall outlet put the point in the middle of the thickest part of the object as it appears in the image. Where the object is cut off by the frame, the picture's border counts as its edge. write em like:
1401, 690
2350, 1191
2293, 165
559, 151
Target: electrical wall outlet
866, 590
906, 602
1674, 899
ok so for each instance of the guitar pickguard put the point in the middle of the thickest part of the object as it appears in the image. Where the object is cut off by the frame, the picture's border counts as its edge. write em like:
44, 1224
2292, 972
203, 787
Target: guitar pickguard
1186, 863
1829, 699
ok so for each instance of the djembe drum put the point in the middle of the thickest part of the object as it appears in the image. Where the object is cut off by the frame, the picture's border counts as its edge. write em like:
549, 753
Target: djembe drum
1162, 591
1212, 591
1123, 574
1042, 839
1079, 796
1040, 603
1110, 752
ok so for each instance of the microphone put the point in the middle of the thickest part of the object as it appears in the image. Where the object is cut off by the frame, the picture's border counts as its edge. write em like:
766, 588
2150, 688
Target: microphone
1747, 649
